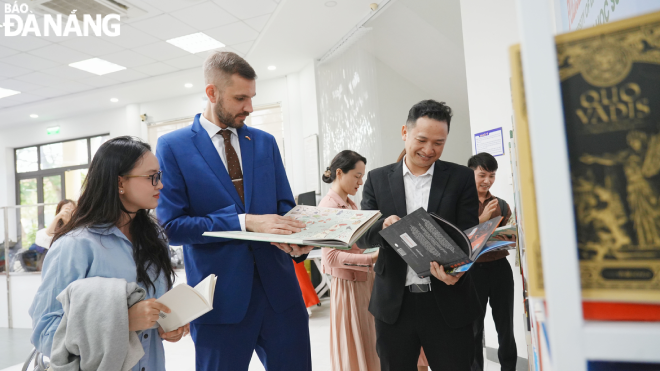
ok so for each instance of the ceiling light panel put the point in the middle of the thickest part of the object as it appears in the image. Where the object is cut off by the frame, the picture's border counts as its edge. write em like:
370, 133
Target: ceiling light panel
196, 43
97, 66
8, 92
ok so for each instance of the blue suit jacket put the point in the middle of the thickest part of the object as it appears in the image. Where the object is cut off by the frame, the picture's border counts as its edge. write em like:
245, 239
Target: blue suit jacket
199, 196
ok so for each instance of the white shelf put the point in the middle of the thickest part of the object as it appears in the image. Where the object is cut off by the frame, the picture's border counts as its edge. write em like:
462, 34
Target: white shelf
572, 340
622, 341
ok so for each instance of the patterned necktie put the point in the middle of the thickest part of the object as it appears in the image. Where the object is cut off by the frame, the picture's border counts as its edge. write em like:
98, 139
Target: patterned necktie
233, 165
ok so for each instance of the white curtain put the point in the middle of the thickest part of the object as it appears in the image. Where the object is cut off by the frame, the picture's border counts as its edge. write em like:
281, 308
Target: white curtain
348, 96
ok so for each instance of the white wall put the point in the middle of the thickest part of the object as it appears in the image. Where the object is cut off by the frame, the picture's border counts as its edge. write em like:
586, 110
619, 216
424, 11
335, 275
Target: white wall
303, 121
349, 117
396, 95
489, 28
421, 43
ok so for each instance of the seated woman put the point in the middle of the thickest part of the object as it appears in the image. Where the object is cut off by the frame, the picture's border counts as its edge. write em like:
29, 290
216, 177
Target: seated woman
44, 236
112, 235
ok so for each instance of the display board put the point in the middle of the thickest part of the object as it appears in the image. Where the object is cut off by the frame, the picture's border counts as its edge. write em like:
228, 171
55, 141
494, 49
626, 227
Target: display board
491, 141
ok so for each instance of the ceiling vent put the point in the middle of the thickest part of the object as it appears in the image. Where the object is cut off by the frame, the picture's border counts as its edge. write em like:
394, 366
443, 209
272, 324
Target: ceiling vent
92, 7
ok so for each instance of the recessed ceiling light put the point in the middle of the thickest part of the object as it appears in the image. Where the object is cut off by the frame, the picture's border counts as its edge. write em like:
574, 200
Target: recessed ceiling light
34, 116
196, 43
330, 4
97, 66
8, 92
272, 68
188, 85
114, 100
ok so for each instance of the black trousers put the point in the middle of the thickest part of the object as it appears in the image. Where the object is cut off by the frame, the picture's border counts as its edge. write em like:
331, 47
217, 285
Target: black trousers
494, 281
420, 324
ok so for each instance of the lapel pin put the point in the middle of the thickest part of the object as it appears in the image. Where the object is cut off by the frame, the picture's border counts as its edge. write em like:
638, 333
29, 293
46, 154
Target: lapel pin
248, 138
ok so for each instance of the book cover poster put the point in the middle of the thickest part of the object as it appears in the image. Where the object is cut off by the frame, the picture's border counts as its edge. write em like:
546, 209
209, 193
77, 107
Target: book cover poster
528, 227
610, 84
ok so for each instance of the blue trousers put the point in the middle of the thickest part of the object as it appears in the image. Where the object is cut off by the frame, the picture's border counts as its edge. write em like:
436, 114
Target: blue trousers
281, 340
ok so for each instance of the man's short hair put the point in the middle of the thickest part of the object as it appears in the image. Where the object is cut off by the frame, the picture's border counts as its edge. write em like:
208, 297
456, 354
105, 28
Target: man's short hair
225, 64
429, 108
483, 160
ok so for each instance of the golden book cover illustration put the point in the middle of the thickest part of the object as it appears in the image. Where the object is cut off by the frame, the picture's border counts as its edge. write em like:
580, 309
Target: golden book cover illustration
610, 85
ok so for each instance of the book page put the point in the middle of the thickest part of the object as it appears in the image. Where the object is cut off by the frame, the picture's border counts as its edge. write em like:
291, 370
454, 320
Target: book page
479, 234
507, 231
206, 289
325, 226
324, 223
185, 303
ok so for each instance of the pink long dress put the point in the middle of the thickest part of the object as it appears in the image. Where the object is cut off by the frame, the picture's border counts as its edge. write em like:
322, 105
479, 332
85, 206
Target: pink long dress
352, 328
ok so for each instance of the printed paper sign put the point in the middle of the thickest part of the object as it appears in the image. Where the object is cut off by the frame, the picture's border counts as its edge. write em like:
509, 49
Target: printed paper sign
490, 141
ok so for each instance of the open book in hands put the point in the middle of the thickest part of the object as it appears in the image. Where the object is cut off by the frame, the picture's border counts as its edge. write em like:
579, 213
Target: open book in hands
420, 238
186, 303
506, 232
325, 227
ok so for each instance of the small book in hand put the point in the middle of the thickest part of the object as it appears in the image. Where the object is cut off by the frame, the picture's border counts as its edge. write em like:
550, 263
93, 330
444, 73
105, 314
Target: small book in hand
421, 238
186, 303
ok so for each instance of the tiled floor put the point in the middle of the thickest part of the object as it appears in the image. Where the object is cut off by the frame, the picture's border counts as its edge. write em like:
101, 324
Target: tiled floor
491, 366
15, 346
181, 355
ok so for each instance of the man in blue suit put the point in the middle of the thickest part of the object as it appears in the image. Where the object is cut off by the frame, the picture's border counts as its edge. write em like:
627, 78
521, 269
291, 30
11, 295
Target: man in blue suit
220, 175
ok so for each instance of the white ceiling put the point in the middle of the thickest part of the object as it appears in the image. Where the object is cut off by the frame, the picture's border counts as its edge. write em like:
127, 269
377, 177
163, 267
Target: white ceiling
38, 66
285, 33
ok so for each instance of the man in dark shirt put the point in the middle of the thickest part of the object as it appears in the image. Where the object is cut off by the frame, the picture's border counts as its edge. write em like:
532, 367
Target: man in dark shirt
492, 274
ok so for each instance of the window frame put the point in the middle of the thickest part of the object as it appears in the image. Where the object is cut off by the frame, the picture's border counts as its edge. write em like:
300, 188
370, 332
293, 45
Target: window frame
40, 174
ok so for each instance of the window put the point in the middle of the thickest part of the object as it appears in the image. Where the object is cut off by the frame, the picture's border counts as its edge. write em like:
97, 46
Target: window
64, 154
270, 120
157, 130
267, 118
49, 173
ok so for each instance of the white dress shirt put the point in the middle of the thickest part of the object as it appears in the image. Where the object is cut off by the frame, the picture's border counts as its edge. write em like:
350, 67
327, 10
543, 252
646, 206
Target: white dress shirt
417, 189
219, 144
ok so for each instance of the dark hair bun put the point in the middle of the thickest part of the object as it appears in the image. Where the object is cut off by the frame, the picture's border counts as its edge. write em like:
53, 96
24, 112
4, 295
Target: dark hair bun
327, 176
345, 161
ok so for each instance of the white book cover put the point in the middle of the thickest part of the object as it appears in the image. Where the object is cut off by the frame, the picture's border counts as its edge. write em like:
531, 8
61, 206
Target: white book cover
187, 303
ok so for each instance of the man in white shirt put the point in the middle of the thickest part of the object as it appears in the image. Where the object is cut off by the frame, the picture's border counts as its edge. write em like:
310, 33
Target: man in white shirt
411, 312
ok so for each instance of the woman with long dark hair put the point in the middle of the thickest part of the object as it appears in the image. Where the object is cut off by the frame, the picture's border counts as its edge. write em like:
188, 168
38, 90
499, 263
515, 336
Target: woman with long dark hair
112, 235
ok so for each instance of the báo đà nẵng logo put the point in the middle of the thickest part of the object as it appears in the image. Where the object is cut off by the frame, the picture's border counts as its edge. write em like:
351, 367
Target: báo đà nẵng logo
21, 21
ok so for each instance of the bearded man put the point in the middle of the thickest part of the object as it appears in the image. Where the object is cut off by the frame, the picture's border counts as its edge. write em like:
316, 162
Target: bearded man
220, 175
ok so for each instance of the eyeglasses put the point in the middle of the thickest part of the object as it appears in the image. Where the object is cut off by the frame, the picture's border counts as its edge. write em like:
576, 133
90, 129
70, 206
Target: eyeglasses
155, 178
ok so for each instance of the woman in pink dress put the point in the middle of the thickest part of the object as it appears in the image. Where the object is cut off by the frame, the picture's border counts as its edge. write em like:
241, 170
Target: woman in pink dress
352, 330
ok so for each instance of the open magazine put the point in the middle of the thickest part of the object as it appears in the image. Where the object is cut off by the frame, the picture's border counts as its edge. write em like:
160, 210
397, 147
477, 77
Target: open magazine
186, 303
507, 231
325, 227
420, 238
